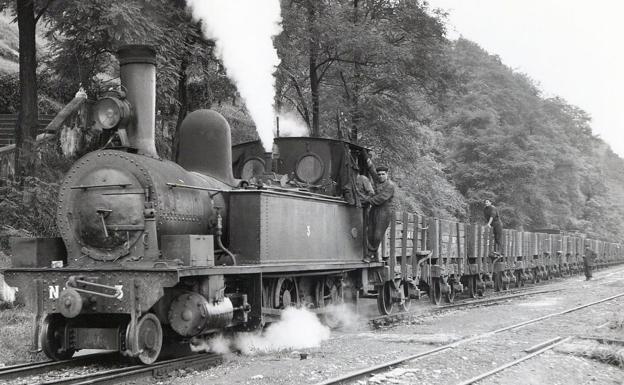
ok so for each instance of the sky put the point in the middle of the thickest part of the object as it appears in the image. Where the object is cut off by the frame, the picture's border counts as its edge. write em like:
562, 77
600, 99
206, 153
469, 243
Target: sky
571, 48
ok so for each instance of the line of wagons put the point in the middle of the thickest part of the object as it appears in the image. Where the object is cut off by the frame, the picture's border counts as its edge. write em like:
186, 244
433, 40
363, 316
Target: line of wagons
446, 257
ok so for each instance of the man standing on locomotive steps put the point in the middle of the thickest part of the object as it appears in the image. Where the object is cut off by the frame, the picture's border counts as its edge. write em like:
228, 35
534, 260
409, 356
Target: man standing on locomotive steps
381, 211
494, 222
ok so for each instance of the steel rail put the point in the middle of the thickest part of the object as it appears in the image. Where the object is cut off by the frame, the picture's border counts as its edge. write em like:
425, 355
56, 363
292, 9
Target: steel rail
135, 372
32, 369
512, 363
516, 294
414, 357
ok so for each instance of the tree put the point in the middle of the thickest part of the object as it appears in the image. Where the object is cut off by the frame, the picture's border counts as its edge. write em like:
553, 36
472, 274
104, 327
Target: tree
27, 122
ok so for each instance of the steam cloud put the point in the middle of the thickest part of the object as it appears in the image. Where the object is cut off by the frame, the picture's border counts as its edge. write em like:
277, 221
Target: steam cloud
297, 329
243, 32
291, 124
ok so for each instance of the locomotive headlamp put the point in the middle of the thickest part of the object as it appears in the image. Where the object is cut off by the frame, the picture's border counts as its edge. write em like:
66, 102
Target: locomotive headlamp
112, 111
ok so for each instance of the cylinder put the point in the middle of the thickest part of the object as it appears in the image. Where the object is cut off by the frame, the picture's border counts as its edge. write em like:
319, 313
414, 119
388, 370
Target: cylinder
191, 314
137, 67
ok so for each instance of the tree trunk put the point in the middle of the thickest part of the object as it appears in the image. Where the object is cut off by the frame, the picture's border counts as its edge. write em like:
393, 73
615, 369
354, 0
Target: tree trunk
357, 78
26, 129
313, 54
183, 110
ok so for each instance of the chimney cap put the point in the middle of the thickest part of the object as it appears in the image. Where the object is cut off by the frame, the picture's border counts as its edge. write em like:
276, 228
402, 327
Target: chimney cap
136, 53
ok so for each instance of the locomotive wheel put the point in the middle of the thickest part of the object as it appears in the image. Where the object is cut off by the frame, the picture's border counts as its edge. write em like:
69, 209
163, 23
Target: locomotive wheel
285, 293
51, 338
435, 291
328, 293
147, 338
472, 286
384, 299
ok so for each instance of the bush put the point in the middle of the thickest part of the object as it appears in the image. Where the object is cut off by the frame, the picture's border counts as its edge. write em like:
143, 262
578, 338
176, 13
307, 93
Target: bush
31, 209
47, 100
9, 93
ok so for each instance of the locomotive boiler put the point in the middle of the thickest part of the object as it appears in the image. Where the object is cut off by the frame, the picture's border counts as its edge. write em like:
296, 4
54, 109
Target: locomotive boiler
154, 253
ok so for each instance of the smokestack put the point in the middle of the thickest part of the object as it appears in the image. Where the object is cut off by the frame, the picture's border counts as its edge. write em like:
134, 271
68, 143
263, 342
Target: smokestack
268, 162
137, 67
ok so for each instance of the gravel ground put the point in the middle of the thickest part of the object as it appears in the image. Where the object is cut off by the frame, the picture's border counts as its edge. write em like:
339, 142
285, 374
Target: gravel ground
360, 347
352, 350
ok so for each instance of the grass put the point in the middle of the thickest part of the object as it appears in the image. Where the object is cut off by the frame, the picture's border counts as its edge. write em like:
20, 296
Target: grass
9, 44
16, 336
608, 353
606, 347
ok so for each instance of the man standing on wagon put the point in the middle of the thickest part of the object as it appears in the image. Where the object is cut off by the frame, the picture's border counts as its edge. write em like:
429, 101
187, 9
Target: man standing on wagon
382, 209
494, 222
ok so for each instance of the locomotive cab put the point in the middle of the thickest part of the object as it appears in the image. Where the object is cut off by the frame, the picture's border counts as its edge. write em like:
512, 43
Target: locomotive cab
319, 165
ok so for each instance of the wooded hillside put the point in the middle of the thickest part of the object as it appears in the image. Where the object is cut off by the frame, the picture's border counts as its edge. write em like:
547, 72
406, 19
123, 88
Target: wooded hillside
455, 124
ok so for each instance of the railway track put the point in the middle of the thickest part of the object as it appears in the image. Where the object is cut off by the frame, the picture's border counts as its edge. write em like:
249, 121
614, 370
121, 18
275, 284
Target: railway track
380, 320
32, 369
106, 376
389, 364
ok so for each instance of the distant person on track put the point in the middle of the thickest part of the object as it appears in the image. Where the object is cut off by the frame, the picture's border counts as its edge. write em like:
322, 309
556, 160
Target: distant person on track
493, 221
381, 211
588, 259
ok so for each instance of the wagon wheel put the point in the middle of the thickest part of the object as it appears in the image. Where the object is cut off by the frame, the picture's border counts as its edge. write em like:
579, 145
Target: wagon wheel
51, 338
328, 293
435, 291
472, 286
534, 277
450, 296
285, 293
384, 298
498, 281
506, 284
406, 302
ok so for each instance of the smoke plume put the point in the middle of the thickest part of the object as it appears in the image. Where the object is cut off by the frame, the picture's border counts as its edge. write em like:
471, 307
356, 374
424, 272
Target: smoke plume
291, 124
297, 329
243, 32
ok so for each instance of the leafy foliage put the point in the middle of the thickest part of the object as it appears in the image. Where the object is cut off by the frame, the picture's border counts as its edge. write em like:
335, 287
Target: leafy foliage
454, 123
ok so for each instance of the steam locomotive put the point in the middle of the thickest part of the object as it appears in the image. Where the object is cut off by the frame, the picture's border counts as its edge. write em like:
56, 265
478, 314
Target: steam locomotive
154, 253
143, 256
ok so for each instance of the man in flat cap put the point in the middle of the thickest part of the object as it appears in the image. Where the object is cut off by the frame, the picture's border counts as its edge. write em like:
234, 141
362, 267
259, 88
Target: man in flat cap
494, 222
381, 211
